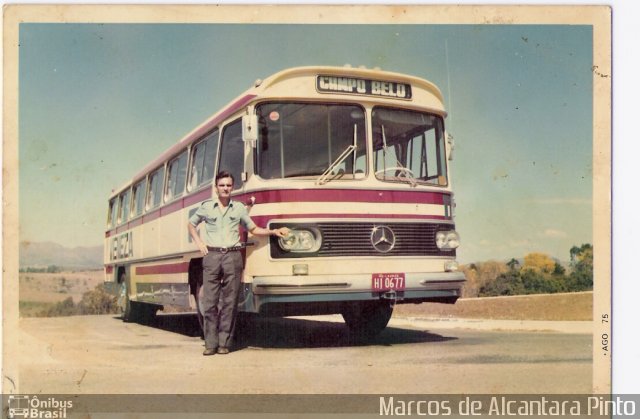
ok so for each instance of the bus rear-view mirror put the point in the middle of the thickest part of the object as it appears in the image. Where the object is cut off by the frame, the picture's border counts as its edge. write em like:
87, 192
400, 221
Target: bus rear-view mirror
250, 128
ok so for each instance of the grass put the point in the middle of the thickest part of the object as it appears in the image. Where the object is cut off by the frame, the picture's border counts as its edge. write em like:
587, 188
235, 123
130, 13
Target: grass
577, 306
33, 308
44, 294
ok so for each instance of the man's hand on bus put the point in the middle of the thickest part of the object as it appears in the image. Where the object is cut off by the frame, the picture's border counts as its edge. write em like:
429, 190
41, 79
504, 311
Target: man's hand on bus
281, 232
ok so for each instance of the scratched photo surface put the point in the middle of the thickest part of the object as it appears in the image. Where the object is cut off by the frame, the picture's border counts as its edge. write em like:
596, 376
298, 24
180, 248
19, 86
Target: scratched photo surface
97, 94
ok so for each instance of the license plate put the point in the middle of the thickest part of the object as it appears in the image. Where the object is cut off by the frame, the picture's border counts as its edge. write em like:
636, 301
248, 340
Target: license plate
383, 282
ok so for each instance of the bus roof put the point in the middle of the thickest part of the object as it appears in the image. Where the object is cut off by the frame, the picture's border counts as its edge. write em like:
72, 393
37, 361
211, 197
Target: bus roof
353, 72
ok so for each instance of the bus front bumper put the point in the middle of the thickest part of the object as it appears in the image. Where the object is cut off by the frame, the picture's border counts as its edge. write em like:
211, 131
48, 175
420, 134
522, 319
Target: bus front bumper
327, 294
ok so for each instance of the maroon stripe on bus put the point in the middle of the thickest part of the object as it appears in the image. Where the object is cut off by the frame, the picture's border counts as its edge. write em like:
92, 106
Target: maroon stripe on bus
173, 207
169, 268
343, 195
151, 216
304, 195
197, 197
135, 223
262, 220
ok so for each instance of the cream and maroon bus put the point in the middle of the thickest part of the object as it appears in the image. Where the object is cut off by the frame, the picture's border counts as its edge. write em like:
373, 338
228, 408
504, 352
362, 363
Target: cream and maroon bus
354, 161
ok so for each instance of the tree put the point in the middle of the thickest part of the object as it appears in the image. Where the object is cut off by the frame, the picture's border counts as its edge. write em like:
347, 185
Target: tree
471, 284
53, 269
539, 274
513, 264
559, 270
581, 277
509, 283
490, 270
97, 301
480, 274
582, 257
62, 308
581, 253
539, 263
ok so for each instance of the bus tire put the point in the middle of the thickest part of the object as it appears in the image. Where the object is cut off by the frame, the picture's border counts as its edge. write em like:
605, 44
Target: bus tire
143, 312
133, 311
367, 320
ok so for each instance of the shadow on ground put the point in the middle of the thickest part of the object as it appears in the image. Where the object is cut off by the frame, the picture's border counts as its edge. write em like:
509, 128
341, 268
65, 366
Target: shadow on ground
263, 332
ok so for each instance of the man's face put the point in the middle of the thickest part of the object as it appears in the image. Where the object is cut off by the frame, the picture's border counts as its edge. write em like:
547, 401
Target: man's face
224, 186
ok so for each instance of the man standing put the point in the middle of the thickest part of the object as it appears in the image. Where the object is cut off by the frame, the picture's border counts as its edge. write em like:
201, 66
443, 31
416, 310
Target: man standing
222, 261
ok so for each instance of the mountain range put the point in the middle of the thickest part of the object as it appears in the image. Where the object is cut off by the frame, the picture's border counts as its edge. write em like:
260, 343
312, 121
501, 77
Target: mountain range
43, 254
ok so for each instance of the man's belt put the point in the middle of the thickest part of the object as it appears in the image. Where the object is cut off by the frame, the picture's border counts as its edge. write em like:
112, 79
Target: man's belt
226, 249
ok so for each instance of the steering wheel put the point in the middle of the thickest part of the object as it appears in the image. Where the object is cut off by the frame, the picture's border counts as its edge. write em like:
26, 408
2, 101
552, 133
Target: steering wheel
399, 168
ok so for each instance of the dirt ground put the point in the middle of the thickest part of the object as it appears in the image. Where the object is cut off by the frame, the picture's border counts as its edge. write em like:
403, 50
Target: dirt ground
312, 355
40, 290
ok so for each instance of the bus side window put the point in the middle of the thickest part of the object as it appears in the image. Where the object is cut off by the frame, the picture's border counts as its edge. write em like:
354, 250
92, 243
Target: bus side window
210, 154
196, 164
139, 190
113, 212
155, 188
177, 171
202, 161
232, 152
123, 214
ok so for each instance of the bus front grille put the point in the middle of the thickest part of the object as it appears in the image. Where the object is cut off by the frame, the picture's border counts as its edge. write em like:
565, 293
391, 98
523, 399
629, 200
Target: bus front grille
356, 239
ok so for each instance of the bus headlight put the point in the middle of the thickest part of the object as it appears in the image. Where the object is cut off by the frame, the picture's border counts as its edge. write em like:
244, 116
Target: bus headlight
447, 240
303, 240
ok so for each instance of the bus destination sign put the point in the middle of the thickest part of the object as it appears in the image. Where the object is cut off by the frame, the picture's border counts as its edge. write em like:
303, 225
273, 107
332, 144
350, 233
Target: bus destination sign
356, 86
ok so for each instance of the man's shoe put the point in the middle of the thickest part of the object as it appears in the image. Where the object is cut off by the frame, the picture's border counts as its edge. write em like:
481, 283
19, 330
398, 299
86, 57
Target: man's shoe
209, 351
223, 351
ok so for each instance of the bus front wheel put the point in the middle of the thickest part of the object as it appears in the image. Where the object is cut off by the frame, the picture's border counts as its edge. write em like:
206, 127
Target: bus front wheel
366, 320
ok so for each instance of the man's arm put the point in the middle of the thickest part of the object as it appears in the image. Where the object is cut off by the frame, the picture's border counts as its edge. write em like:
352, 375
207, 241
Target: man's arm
196, 238
259, 231
280, 232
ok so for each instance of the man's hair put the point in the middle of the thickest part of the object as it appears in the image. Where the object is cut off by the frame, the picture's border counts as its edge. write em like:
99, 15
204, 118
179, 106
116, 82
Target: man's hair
222, 175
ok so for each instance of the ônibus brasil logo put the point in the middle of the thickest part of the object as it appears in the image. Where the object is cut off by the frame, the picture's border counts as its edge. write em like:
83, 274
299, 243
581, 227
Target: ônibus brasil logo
20, 406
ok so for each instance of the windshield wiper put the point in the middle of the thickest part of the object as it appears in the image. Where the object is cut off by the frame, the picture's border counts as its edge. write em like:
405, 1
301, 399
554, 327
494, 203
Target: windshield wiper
324, 177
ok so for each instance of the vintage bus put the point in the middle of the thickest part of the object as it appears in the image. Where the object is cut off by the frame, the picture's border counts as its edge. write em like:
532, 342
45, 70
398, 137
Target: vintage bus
354, 161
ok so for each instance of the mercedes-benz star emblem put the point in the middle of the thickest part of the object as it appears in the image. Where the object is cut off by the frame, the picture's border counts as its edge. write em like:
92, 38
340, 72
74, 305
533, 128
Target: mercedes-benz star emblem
383, 239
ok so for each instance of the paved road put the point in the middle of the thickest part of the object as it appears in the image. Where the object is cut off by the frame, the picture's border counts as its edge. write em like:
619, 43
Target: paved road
101, 354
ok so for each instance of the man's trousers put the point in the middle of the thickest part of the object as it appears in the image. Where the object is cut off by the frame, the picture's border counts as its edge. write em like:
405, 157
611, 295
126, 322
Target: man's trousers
221, 282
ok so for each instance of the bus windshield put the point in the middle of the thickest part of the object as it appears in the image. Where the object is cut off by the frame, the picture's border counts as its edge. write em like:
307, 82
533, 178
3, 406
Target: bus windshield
408, 146
304, 139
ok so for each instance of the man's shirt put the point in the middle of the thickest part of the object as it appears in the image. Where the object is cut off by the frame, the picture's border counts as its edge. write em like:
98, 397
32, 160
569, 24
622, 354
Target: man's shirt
222, 225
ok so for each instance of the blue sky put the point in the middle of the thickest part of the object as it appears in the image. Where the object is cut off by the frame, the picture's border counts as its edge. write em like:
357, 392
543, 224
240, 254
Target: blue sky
98, 102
